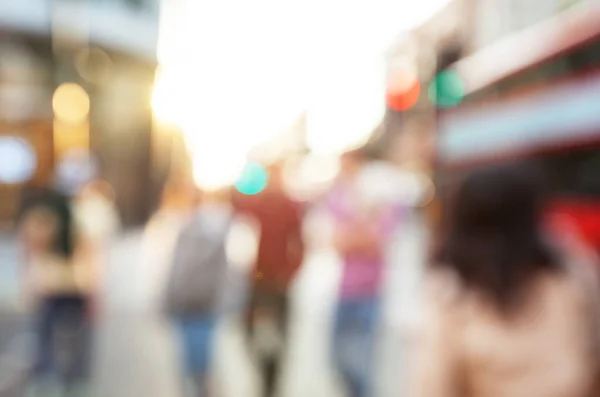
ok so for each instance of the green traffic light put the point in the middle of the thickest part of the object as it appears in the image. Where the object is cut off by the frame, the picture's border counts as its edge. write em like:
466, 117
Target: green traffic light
447, 89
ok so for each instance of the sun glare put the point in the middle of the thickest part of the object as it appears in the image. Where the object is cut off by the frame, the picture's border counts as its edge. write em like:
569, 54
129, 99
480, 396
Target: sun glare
230, 86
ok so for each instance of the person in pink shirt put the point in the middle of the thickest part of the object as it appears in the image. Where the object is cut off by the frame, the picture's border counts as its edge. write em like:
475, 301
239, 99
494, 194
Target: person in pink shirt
360, 235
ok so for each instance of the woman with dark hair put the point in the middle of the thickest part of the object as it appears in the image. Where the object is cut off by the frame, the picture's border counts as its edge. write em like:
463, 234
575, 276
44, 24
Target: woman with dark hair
509, 312
62, 241
58, 288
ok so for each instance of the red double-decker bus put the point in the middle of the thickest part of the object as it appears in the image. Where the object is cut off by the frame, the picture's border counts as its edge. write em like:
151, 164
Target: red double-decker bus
534, 97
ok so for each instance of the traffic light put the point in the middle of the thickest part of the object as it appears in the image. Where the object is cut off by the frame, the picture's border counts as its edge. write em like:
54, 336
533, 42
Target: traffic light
447, 88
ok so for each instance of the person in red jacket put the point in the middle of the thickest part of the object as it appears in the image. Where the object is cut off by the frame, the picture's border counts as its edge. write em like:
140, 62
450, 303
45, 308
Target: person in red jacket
280, 254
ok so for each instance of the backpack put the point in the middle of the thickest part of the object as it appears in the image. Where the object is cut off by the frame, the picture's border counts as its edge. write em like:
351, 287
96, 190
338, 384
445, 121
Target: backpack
199, 267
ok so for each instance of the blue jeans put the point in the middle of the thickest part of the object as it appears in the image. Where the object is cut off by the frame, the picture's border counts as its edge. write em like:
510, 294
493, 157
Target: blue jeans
354, 339
196, 335
63, 327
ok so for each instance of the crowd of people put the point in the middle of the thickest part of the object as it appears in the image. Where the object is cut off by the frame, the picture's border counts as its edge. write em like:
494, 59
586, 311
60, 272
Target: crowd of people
511, 304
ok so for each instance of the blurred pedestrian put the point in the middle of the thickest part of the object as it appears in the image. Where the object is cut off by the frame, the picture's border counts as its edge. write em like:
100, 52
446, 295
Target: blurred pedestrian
510, 312
176, 207
195, 285
364, 219
58, 288
96, 220
280, 254
96, 212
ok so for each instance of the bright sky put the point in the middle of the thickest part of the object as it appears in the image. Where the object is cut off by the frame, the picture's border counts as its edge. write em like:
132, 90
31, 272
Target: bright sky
237, 72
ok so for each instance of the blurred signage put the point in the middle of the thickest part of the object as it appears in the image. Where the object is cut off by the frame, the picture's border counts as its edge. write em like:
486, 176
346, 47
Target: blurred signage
565, 113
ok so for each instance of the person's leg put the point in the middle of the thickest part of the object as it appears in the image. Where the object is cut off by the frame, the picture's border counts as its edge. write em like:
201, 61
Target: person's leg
42, 377
370, 317
48, 375
249, 320
353, 343
183, 328
75, 331
252, 313
341, 341
266, 328
270, 372
279, 307
197, 337
205, 338
43, 352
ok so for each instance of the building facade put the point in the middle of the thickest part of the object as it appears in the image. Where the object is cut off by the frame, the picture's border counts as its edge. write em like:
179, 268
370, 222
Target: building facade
104, 51
423, 51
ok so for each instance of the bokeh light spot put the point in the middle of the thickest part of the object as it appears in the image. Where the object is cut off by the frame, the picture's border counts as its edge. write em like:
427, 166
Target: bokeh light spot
404, 100
93, 64
447, 89
403, 89
253, 180
71, 104
18, 160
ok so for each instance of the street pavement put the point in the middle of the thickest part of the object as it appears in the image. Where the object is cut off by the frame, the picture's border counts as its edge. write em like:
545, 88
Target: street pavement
137, 355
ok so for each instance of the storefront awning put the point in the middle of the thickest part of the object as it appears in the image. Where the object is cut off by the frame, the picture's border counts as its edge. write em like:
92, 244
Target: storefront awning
563, 115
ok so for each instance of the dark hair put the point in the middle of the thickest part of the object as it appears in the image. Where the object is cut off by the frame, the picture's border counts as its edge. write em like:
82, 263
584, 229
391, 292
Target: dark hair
493, 237
64, 242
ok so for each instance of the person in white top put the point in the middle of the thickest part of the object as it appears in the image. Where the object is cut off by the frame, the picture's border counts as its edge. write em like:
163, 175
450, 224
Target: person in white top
58, 288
